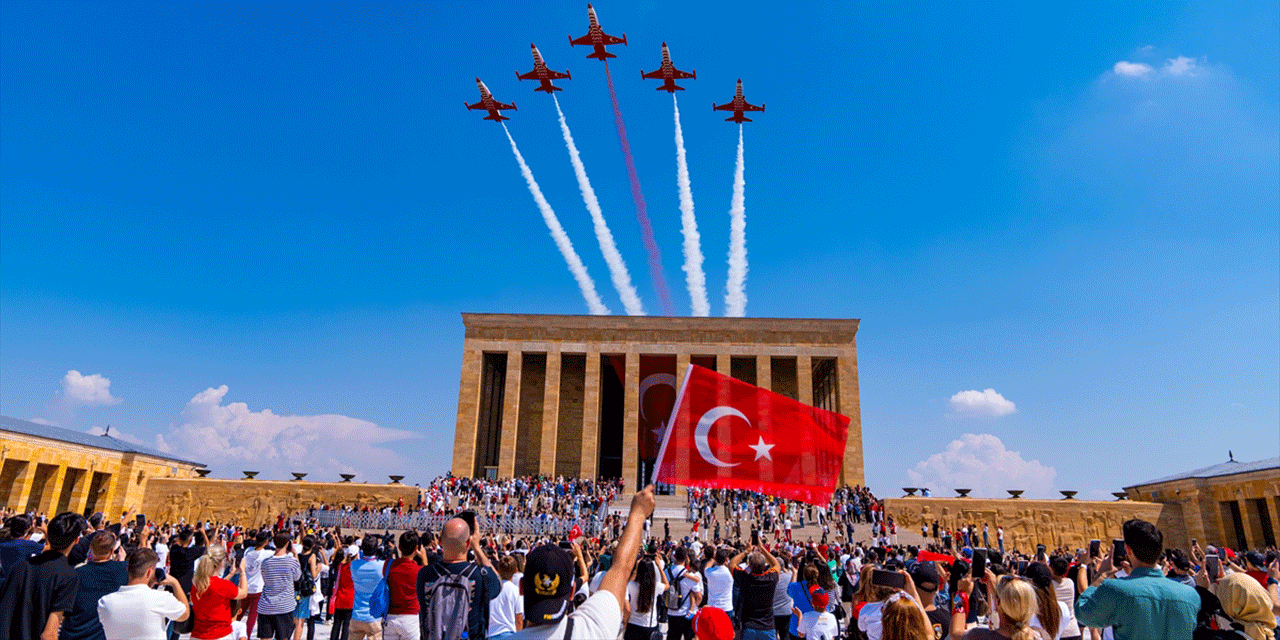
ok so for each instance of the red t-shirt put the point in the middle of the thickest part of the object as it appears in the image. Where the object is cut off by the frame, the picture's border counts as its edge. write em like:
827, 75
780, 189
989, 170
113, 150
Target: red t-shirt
402, 587
212, 609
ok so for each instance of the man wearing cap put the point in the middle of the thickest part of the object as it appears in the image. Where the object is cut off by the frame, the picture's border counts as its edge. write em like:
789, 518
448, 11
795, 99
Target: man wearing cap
547, 586
925, 577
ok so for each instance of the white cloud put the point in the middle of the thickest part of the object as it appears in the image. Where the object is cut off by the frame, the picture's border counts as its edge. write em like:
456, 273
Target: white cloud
982, 463
89, 391
981, 403
230, 438
1147, 49
1132, 69
1180, 66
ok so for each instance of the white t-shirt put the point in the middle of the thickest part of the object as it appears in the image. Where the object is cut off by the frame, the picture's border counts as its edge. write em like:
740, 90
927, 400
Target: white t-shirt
1066, 623
688, 585
1065, 590
162, 554
253, 568
719, 588
815, 625
138, 612
649, 619
869, 621
598, 617
503, 609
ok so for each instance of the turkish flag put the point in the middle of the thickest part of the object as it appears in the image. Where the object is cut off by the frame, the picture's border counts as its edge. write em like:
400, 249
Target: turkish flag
727, 434
657, 400
575, 532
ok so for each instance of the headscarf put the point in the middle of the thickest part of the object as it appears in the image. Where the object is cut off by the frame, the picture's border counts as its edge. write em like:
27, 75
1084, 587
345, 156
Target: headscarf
1247, 602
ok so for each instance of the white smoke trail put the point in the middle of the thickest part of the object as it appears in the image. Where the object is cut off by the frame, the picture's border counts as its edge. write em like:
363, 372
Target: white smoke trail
617, 267
735, 297
694, 276
579, 270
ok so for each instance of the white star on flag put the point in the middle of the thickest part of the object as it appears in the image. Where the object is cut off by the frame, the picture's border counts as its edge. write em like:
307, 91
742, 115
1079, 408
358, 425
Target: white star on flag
762, 449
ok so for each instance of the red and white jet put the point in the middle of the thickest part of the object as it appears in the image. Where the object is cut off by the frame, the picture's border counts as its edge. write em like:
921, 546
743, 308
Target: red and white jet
541, 72
597, 38
668, 73
489, 104
737, 106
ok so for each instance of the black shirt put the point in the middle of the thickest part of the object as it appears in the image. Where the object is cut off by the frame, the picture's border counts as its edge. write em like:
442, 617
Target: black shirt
486, 587
182, 564
940, 621
757, 599
34, 589
97, 579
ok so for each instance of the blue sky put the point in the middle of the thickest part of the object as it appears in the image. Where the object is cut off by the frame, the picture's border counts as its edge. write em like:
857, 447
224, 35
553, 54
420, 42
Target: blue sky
1074, 205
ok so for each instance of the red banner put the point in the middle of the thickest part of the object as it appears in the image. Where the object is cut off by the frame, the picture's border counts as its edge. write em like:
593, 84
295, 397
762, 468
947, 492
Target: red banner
657, 399
728, 434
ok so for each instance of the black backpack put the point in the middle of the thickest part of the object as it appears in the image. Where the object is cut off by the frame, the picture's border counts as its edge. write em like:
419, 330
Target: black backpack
306, 585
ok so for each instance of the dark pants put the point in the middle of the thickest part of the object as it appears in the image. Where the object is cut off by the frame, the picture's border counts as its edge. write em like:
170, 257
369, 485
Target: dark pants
782, 624
277, 626
341, 625
679, 628
637, 632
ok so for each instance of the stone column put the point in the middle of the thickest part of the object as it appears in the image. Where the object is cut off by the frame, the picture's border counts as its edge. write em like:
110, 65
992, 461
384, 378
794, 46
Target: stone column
550, 415
682, 366
510, 416
464, 437
22, 487
591, 417
764, 372
1252, 521
80, 494
723, 365
847, 373
53, 491
804, 379
631, 422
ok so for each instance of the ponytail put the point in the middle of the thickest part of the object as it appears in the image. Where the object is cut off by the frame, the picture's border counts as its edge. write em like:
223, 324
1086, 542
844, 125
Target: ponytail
209, 563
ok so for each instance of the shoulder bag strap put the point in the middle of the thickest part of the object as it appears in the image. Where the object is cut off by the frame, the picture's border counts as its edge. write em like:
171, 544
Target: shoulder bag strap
568, 628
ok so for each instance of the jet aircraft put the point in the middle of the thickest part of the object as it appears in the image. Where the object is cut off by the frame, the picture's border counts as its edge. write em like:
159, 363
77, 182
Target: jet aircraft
668, 73
598, 38
737, 106
489, 104
541, 72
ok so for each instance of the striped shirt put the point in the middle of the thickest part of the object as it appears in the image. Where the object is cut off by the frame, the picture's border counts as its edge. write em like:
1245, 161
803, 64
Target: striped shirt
278, 575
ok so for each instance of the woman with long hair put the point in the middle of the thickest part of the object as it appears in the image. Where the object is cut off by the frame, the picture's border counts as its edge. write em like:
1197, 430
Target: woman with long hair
1013, 602
648, 581
1049, 612
212, 597
302, 611
901, 618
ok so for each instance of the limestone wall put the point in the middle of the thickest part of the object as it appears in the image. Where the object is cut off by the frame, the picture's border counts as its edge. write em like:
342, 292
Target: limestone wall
1069, 523
256, 502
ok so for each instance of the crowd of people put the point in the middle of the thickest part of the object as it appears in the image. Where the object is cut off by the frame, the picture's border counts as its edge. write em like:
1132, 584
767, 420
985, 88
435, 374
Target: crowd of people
72, 578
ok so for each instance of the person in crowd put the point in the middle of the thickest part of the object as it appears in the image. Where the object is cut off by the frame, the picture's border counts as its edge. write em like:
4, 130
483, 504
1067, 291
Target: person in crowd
868, 604
1248, 604
99, 576
506, 612
38, 592
1064, 591
817, 623
548, 578
19, 546
644, 590
366, 572
1051, 616
719, 582
402, 582
309, 563
253, 570
138, 610
183, 555
902, 618
277, 604
712, 623
756, 585
1014, 600
213, 598
924, 575
689, 587
782, 602
1144, 604
456, 540
80, 551
343, 597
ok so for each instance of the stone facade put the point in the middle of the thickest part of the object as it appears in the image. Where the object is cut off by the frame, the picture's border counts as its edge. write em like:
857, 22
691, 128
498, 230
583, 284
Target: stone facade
1233, 504
1067, 523
258, 502
535, 398
40, 474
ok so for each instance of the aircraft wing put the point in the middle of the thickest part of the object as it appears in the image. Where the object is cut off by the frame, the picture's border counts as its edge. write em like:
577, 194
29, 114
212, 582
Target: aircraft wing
532, 75
556, 75
680, 75
478, 105
608, 39
583, 40
728, 106
747, 106
655, 75
502, 106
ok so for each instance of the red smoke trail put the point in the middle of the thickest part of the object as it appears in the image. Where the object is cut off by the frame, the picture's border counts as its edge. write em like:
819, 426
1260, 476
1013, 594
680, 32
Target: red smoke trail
642, 215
